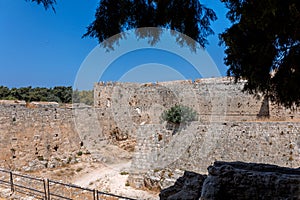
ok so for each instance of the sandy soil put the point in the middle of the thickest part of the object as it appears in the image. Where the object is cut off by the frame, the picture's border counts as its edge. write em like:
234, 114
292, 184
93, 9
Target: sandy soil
109, 178
112, 179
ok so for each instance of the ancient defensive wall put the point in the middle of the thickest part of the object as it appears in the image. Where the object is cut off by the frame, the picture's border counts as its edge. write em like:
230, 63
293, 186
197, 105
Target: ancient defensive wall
199, 144
42, 135
215, 99
232, 126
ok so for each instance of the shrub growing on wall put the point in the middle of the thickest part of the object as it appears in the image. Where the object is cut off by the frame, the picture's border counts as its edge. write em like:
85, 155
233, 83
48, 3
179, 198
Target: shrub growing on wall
179, 114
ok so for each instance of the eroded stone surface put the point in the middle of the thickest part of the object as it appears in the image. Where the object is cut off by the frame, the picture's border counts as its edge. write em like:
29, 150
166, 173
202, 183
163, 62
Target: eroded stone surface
242, 181
187, 187
237, 181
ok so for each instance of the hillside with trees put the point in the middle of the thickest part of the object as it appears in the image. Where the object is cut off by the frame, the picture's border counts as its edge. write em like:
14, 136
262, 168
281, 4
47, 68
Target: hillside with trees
59, 94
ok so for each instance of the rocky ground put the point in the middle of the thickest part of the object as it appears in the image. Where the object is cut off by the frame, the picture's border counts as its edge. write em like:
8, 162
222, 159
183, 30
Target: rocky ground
110, 177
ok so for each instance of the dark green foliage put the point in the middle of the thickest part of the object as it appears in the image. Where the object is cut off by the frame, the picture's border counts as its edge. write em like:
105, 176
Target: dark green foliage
179, 114
185, 16
59, 94
46, 3
189, 17
64, 93
265, 36
4, 92
37, 94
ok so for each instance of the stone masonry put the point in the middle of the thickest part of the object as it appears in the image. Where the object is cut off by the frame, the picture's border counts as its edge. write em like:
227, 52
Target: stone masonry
200, 144
215, 99
231, 126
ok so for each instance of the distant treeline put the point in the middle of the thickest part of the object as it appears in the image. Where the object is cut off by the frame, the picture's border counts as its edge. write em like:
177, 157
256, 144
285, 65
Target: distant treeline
60, 94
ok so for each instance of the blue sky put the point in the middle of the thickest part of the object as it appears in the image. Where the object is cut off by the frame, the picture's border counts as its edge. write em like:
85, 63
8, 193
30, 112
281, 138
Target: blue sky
43, 48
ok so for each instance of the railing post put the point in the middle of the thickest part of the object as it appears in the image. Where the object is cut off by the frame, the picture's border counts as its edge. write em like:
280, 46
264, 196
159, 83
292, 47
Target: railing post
45, 189
11, 182
97, 195
94, 194
48, 186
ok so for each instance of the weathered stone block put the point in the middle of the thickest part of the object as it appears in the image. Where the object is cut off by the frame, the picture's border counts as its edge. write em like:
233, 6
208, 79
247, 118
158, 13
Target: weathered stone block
187, 187
250, 181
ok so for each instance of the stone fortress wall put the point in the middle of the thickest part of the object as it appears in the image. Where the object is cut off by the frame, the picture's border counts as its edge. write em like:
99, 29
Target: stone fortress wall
198, 145
215, 99
36, 135
232, 126
41, 135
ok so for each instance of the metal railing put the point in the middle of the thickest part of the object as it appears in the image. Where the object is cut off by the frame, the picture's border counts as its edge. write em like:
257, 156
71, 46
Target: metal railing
68, 191
102, 195
46, 189
29, 185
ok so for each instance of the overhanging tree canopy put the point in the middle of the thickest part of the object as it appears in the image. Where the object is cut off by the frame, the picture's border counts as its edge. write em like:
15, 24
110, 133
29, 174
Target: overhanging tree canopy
263, 47
46, 3
185, 16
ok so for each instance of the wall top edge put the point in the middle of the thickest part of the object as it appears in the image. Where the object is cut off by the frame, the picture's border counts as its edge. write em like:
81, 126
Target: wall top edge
215, 80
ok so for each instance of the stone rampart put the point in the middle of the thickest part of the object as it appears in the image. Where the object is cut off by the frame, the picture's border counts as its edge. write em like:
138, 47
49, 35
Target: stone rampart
200, 144
232, 126
215, 99
39, 135
36, 135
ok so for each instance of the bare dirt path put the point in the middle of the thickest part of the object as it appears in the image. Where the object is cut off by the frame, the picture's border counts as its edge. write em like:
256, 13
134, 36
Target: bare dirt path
111, 179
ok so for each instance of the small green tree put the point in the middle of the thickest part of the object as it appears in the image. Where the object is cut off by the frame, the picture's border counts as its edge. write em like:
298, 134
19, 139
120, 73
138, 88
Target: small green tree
4, 92
179, 114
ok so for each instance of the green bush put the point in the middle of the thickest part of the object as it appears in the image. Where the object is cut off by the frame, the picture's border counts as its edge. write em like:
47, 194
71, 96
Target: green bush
124, 173
179, 114
40, 158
